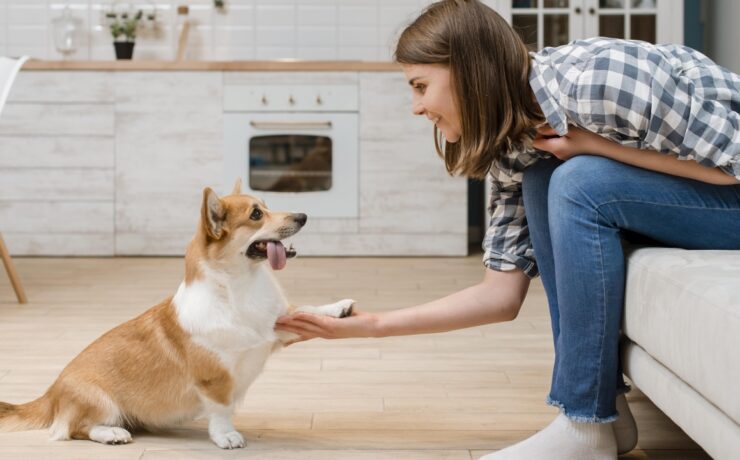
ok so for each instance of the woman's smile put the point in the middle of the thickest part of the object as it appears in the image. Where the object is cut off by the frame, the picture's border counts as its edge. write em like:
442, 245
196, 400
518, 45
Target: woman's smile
432, 97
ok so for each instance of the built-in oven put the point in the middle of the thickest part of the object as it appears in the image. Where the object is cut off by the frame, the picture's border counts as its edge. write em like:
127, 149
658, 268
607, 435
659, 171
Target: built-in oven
296, 147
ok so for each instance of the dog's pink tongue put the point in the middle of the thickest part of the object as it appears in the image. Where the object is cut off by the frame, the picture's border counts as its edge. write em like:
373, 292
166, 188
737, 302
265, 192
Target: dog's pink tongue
276, 255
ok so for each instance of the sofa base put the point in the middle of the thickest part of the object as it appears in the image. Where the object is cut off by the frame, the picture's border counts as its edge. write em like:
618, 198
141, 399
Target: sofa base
701, 420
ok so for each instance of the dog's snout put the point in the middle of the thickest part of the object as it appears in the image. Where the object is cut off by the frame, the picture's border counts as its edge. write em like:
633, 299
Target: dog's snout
300, 219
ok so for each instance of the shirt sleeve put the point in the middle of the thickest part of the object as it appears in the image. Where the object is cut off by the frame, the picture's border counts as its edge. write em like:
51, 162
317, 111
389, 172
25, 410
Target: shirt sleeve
687, 110
507, 245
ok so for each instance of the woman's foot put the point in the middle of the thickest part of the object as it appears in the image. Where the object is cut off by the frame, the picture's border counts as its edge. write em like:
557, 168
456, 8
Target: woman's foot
564, 439
625, 429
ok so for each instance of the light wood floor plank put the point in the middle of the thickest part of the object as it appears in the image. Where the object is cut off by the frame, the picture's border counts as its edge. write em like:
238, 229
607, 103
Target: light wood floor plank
451, 396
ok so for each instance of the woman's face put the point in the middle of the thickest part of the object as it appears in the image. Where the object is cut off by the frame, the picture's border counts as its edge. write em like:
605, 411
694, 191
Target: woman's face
432, 96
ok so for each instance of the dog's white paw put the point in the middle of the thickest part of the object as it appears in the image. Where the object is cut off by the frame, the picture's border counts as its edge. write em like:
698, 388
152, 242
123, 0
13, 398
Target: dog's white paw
110, 435
337, 309
229, 440
346, 306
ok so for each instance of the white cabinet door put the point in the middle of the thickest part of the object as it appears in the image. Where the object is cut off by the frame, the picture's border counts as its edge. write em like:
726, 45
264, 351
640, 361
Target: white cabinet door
655, 21
544, 23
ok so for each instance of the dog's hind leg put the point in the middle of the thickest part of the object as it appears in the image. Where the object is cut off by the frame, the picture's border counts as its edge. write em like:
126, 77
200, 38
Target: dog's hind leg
109, 435
87, 412
88, 423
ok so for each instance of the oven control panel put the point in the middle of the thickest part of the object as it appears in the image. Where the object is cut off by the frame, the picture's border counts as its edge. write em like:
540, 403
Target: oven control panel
291, 98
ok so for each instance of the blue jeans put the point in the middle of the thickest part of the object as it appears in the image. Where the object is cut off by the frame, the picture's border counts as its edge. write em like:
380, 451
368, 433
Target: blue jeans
576, 212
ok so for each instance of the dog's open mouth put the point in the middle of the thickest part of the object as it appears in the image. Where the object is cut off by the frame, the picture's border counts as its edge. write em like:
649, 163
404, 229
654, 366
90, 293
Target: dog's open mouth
273, 251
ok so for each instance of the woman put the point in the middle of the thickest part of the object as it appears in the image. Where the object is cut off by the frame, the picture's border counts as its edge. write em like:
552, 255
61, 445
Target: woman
582, 142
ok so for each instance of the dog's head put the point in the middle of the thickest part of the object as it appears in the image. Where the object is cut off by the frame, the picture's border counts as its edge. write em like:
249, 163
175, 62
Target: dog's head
240, 224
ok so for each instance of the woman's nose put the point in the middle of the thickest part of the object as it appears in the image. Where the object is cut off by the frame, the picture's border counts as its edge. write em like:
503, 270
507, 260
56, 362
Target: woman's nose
417, 109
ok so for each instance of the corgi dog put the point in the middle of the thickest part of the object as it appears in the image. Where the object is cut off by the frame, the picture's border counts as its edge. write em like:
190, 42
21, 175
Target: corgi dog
193, 355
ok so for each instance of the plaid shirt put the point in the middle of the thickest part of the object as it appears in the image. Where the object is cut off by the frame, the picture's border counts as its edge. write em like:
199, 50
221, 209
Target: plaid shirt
667, 98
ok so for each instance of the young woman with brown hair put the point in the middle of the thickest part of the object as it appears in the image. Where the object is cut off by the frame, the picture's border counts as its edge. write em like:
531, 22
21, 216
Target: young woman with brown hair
581, 142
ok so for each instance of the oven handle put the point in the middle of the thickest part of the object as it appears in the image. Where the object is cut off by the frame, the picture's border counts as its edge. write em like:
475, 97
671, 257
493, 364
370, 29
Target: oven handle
291, 124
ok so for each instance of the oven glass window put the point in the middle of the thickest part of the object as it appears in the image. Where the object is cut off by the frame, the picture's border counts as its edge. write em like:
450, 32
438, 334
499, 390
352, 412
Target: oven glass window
290, 163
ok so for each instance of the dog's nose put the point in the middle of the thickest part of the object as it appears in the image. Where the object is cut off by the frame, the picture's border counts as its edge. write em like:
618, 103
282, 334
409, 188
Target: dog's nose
300, 219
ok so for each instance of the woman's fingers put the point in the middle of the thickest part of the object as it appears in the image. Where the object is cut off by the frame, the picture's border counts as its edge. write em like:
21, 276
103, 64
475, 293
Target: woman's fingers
303, 334
546, 130
548, 144
561, 147
303, 316
305, 327
539, 143
319, 329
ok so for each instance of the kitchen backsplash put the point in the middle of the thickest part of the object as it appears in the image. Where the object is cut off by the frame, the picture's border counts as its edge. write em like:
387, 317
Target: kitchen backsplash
248, 29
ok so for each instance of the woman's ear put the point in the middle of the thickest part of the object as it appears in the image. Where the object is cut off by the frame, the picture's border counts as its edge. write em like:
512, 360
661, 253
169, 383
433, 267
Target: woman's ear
213, 214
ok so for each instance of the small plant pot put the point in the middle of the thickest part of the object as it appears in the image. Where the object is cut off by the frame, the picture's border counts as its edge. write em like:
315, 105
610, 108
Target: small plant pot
124, 50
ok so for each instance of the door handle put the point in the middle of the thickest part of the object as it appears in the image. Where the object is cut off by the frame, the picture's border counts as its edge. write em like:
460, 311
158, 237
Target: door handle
286, 124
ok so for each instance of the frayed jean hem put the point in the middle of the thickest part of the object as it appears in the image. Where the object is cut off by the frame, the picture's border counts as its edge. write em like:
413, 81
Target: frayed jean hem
580, 418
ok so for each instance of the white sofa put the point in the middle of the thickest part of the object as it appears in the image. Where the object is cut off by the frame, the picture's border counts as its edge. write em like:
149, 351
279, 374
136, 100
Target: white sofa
682, 347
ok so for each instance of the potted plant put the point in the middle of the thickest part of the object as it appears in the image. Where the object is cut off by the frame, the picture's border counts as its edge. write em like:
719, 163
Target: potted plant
123, 27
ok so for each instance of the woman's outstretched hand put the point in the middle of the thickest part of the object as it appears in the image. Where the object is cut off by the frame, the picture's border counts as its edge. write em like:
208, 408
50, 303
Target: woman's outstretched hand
576, 142
308, 326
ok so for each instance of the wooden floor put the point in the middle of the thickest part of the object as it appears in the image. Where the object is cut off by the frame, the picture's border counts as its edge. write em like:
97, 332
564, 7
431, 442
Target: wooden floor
447, 396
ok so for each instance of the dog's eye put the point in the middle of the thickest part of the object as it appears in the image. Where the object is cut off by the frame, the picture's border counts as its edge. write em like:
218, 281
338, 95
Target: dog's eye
256, 214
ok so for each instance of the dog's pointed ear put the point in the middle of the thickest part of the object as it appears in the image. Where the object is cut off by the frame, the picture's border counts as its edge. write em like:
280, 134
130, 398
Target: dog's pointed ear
213, 214
237, 187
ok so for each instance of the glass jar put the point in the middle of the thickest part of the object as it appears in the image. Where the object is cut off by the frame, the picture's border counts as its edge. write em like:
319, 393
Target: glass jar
66, 30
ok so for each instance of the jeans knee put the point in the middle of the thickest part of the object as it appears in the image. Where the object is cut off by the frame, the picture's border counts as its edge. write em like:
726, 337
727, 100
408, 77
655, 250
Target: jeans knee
582, 179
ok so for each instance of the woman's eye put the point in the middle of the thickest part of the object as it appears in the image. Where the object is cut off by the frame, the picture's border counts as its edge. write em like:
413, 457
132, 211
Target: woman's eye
256, 215
420, 88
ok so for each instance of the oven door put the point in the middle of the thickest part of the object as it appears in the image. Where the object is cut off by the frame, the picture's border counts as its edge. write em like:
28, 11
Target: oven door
302, 162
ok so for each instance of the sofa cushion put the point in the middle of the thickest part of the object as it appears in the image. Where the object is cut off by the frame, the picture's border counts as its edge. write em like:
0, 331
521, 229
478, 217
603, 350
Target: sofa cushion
683, 308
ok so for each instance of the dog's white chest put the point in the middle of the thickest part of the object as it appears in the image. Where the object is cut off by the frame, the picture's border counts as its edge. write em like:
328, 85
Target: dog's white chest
230, 315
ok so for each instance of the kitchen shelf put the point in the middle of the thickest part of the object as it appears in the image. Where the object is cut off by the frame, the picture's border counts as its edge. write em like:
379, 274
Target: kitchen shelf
278, 65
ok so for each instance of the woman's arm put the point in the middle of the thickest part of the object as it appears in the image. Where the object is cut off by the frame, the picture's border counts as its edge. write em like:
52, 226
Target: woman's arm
580, 141
655, 161
495, 299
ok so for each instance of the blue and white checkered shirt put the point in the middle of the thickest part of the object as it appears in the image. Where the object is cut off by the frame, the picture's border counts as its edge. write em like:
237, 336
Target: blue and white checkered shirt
667, 98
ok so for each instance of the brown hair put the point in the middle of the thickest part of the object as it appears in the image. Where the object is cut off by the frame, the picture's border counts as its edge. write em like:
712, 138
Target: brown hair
489, 74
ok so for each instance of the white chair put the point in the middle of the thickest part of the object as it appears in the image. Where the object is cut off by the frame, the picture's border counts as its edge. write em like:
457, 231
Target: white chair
9, 68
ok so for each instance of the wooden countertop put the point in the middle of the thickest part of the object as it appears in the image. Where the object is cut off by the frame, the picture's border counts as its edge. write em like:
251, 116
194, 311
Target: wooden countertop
280, 65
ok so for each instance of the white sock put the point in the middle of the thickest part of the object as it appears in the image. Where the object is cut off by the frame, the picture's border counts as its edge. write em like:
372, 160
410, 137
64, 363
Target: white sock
625, 429
564, 439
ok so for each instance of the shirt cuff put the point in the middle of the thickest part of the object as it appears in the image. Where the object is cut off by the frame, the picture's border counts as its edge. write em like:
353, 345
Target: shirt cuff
508, 262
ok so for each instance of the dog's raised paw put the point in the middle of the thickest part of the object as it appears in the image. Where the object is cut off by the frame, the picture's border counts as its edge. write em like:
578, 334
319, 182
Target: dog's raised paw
229, 440
110, 435
338, 309
347, 310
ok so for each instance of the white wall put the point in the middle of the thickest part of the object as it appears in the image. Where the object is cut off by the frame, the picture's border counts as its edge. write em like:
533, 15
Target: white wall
723, 33
252, 29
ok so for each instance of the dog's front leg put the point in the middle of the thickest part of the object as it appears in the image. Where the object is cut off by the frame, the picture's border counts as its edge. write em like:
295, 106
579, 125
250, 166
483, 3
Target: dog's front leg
221, 430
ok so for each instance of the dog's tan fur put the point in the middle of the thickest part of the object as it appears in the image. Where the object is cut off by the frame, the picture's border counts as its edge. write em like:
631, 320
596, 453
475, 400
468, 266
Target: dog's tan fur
152, 371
